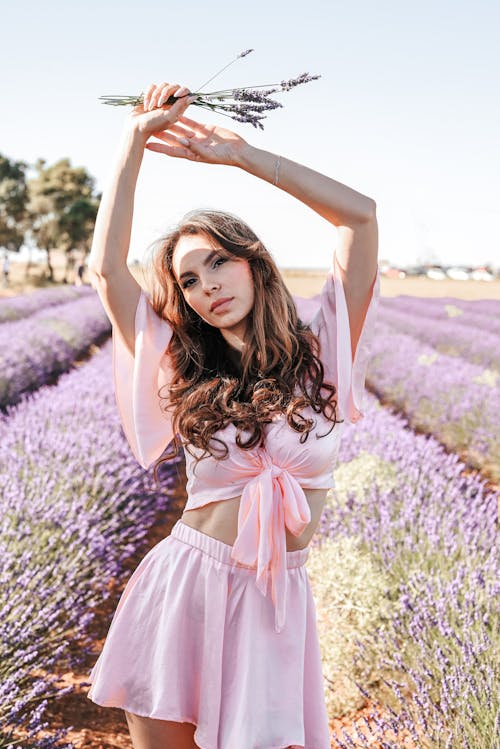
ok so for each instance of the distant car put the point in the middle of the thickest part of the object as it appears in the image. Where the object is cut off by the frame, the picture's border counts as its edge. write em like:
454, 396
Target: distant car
415, 270
438, 274
481, 274
394, 273
458, 273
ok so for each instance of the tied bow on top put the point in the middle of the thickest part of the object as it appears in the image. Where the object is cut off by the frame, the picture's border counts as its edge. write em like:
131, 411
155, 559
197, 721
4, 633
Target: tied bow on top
270, 501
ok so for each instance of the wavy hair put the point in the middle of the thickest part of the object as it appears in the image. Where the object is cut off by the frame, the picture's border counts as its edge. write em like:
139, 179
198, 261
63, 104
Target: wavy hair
280, 369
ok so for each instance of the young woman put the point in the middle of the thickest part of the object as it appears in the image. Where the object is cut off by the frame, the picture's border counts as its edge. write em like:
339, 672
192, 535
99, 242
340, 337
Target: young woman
214, 641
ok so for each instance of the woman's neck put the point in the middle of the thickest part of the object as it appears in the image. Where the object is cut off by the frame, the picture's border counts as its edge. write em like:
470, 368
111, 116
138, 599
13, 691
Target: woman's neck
234, 356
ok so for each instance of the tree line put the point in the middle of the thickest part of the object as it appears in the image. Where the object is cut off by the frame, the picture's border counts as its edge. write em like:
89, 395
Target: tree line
55, 209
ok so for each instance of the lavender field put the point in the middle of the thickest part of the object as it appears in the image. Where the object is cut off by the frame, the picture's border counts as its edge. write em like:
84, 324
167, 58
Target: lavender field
406, 575
44, 342
74, 506
24, 305
404, 565
443, 373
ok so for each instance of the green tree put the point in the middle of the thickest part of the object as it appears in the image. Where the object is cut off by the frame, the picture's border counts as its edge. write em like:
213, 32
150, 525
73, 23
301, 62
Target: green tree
77, 225
13, 203
63, 207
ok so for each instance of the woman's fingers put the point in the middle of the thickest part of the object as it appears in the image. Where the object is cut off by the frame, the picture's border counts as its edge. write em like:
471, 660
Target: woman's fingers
177, 141
149, 91
156, 96
177, 130
176, 151
161, 148
165, 90
179, 92
179, 107
168, 137
161, 107
192, 123
172, 140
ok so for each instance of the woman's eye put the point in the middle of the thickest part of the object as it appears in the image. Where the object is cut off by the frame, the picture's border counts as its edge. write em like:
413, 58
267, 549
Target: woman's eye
189, 282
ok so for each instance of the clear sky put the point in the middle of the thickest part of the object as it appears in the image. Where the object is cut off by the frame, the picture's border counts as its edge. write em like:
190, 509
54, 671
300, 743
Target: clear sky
407, 111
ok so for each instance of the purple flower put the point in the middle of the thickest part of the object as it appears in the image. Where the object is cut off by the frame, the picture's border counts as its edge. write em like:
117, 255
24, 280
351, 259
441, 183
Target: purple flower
74, 507
240, 104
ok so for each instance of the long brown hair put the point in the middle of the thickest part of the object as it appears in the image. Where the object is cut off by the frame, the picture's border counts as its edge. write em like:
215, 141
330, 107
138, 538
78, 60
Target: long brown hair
280, 367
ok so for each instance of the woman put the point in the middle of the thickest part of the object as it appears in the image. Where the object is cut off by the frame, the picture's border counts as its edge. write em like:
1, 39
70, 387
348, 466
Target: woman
214, 641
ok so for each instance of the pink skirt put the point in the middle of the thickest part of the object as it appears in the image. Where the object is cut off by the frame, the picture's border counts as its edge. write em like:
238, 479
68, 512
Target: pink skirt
193, 640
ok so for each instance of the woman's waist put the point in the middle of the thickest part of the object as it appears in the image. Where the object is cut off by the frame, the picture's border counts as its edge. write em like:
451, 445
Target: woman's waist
219, 519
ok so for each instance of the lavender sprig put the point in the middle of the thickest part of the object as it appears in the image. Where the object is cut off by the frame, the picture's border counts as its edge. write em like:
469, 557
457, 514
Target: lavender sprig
242, 54
245, 104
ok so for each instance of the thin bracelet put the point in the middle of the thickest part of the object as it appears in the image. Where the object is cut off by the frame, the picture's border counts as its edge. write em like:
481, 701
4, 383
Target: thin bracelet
277, 170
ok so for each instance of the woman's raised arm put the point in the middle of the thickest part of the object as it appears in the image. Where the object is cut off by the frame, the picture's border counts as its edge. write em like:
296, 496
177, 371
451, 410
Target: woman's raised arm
337, 203
351, 212
118, 290
355, 261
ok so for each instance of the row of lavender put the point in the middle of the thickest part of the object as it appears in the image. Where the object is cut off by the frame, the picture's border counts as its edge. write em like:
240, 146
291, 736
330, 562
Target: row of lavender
41, 346
442, 373
367, 447
474, 313
24, 305
473, 337
406, 565
74, 505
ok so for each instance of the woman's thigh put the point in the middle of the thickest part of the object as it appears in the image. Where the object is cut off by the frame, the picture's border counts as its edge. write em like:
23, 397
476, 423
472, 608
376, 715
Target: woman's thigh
151, 733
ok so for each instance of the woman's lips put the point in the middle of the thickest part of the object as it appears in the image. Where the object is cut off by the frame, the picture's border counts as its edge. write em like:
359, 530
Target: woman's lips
222, 306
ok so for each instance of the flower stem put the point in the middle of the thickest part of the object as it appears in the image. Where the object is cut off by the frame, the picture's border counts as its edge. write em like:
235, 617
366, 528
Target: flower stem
220, 71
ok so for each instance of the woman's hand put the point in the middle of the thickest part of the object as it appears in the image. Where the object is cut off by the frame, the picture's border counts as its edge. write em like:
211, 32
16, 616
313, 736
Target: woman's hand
153, 114
198, 142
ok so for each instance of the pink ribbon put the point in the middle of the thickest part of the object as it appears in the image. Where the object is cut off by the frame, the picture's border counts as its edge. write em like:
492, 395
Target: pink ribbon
270, 501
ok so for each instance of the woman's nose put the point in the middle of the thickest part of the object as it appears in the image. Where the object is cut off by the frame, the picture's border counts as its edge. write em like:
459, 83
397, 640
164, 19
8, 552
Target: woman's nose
210, 285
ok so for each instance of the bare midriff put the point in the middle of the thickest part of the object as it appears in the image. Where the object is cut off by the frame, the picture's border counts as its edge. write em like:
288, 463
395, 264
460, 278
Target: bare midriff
220, 519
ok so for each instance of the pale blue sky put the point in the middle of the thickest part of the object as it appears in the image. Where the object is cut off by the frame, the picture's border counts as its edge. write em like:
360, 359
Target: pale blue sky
407, 111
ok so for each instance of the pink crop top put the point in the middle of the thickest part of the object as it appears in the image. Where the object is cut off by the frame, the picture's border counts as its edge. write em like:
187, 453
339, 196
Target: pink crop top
270, 480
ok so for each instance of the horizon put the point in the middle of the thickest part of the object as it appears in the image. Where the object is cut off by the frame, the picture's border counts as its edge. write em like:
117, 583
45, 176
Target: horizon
21, 258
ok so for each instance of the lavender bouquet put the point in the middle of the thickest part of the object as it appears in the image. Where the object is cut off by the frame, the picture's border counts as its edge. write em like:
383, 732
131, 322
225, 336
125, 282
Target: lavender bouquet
246, 104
